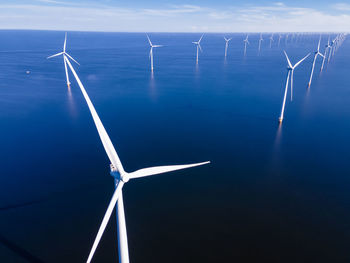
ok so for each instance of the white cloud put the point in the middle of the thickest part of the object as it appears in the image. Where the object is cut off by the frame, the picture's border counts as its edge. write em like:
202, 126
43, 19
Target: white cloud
342, 7
181, 18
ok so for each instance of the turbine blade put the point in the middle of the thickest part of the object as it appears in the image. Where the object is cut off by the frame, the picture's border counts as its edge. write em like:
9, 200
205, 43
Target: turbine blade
200, 39
55, 55
290, 64
106, 141
297, 64
157, 46
105, 220
72, 58
149, 41
161, 169
318, 46
199, 45
65, 42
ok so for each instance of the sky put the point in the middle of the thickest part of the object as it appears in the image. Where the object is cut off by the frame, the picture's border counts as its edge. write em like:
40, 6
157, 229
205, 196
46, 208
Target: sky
176, 16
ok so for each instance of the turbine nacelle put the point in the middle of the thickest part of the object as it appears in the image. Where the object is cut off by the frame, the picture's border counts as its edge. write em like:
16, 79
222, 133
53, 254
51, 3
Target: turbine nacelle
117, 175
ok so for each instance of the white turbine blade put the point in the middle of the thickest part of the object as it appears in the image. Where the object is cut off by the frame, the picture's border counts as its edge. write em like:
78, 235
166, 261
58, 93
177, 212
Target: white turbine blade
55, 55
106, 141
200, 39
200, 47
319, 53
297, 64
157, 45
319, 42
72, 58
149, 41
105, 220
161, 169
290, 64
195, 43
230, 39
225, 39
65, 43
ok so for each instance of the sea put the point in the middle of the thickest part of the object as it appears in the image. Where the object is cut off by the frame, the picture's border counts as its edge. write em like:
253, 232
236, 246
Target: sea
272, 193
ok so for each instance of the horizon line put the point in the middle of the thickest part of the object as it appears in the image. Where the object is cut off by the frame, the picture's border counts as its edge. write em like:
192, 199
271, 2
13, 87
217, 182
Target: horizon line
175, 32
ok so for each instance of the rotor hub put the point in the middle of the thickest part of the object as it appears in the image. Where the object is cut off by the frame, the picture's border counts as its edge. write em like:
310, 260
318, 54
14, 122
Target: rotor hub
117, 175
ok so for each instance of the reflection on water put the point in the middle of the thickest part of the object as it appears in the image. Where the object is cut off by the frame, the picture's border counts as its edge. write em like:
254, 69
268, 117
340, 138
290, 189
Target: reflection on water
276, 145
276, 150
152, 87
71, 103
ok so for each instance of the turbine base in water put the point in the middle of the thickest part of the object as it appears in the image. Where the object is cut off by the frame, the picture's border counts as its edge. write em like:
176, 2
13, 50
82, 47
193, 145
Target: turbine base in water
280, 120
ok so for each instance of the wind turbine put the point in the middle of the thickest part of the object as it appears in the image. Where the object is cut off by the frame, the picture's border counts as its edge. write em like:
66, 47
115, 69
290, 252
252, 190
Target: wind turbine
120, 178
151, 51
333, 47
314, 61
198, 44
271, 40
226, 45
279, 39
245, 44
290, 73
65, 54
328, 46
260, 40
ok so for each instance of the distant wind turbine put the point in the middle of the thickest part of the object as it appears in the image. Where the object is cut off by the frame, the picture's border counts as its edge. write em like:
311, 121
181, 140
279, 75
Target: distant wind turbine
328, 46
260, 40
332, 49
65, 54
198, 44
226, 45
151, 51
245, 44
279, 40
290, 73
120, 178
314, 61
271, 40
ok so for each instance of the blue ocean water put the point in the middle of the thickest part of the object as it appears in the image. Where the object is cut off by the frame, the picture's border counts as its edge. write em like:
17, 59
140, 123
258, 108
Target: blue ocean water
271, 193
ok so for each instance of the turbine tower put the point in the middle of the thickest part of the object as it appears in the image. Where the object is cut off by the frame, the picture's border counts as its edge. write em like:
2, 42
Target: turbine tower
290, 73
151, 51
271, 40
198, 44
314, 61
64, 54
120, 178
226, 45
328, 46
260, 40
279, 39
245, 44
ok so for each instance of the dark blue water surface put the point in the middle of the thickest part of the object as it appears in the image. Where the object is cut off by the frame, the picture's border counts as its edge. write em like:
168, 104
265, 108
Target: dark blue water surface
271, 194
